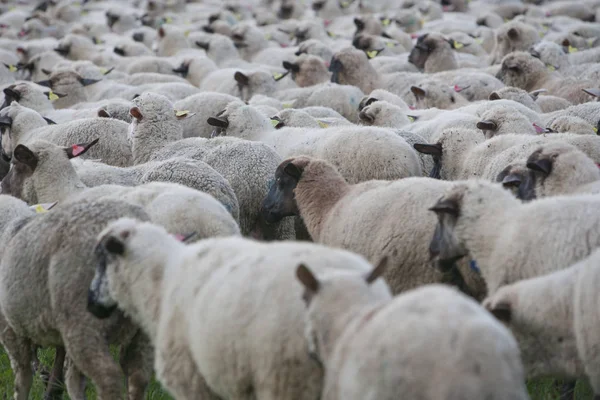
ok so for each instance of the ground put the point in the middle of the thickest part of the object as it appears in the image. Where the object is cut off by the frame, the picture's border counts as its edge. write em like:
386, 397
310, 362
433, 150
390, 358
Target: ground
542, 389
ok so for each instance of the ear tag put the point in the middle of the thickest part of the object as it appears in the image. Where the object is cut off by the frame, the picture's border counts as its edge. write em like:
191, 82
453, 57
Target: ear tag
287, 105
372, 54
12, 68
77, 150
52, 96
411, 118
573, 49
275, 122
323, 124
458, 45
277, 76
390, 44
479, 41
386, 22
181, 113
551, 68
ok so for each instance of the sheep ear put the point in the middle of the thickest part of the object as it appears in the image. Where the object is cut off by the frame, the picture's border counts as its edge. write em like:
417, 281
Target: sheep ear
136, 113
293, 170
11, 94
291, 66
102, 113
418, 92
566, 43
542, 165
87, 82
494, 96
241, 78
79, 149
431, 149
114, 246
49, 121
377, 271
446, 206
46, 71
219, 122
161, 32
107, 71
534, 95
592, 92
26, 156
6, 121
307, 279
185, 238
513, 34
511, 180
487, 125
502, 311
46, 83
43, 207
203, 45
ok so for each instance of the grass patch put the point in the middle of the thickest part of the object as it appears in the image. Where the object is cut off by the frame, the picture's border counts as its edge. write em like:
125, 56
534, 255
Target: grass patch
539, 389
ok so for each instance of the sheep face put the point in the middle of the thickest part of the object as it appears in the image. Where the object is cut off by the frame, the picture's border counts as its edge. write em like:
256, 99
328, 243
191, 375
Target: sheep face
434, 95
280, 201
66, 81
445, 248
307, 70
514, 36
519, 180
520, 70
21, 169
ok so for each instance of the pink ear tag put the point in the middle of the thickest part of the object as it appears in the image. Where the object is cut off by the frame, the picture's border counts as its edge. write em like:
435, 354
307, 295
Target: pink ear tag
457, 89
179, 237
77, 150
538, 129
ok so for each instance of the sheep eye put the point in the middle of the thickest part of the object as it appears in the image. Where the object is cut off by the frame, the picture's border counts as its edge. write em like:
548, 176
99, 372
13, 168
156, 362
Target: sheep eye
452, 99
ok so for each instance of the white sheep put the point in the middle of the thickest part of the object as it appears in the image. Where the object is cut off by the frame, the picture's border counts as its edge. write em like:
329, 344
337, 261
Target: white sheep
170, 290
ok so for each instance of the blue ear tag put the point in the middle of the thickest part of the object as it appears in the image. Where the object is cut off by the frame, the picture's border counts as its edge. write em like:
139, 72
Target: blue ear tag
474, 267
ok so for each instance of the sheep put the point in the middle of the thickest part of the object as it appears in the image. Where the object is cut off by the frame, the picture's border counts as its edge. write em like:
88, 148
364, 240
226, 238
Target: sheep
332, 210
503, 120
521, 70
169, 41
204, 105
350, 343
341, 146
50, 309
31, 96
196, 69
431, 94
316, 48
513, 36
384, 114
518, 95
550, 104
433, 53
559, 345
569, 124
247, 166
22, 124
190, 359
511, 251
475, 86
381, 94
291, 117
308, 70
142, 64
562, 169
68, 82
241, 84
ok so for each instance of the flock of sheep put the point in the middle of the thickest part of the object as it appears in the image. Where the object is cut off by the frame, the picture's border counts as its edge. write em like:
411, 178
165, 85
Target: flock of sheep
296, 200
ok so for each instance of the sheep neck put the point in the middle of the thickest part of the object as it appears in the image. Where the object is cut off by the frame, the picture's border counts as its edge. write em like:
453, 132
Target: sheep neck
316, 197
485, 225
439, 61
58, 183
150, 137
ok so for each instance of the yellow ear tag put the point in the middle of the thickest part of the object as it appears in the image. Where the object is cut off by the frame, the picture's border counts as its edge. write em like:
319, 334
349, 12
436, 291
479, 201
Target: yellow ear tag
103, 71
330, 34
168, 20
458, 45
187, 33
12, 68
39, 209
386, 22
287, 105
372, 54
268, 36
411, 119
591, 42
551, 68
323, 124
479, 40
181, 113
573, 49
390, 44
344, 4
595, 129
275, 122
277, 75
52, 96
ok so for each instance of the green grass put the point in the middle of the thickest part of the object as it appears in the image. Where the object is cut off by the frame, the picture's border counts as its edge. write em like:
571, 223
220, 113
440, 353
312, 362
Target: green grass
539, 389
46, 356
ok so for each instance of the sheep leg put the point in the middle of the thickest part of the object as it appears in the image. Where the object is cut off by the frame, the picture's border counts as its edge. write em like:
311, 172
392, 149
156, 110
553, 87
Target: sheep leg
136, 361
54, 387
90, 354
20, 355
567, 390
74, 381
